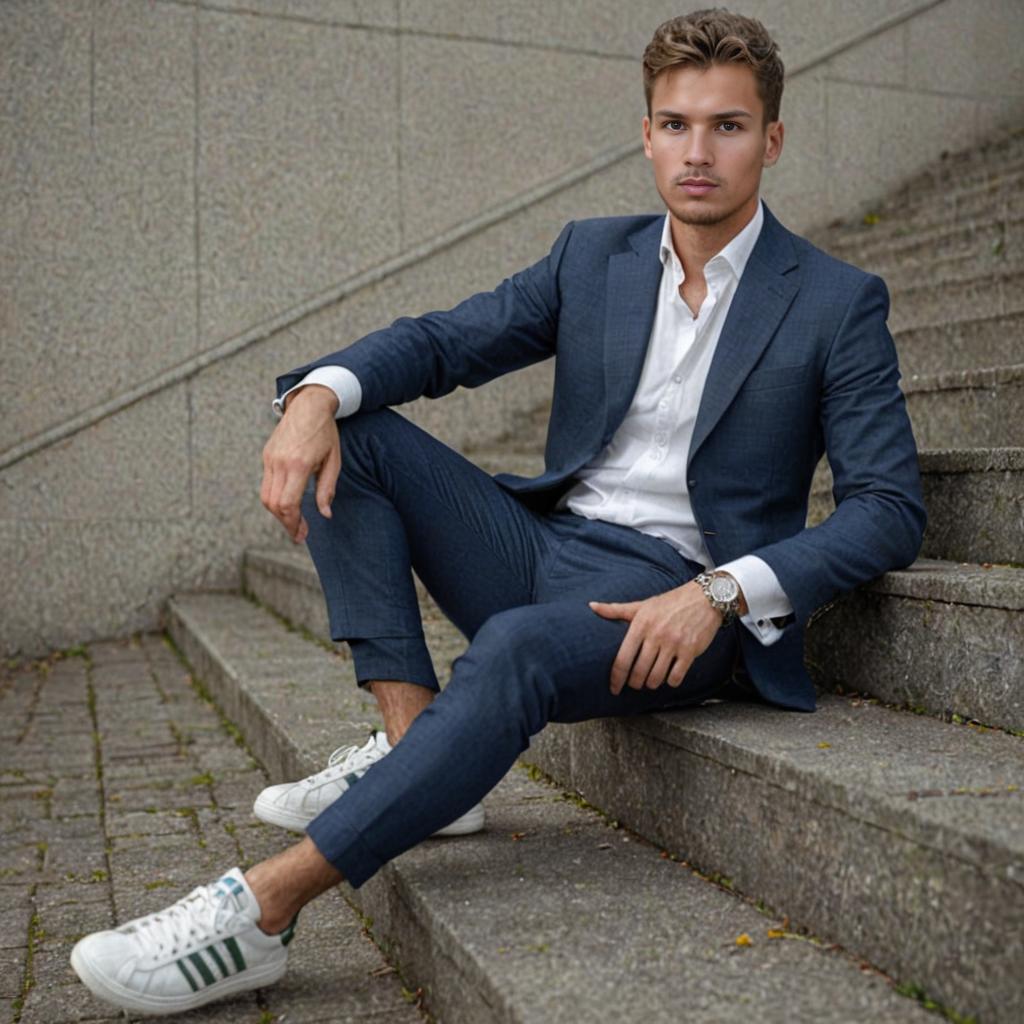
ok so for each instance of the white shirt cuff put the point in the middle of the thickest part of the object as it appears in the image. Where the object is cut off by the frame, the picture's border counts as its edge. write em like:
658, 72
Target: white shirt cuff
341, 380
766, 600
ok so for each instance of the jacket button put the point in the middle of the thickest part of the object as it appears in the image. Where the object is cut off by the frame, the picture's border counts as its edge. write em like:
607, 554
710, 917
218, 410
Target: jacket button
691, 484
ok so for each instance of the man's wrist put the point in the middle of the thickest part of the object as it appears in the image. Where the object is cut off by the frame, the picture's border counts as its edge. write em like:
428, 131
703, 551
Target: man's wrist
724, 594
313, 394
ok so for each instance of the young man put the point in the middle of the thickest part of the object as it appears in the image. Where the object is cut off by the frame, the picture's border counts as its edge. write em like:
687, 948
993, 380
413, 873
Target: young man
705, 360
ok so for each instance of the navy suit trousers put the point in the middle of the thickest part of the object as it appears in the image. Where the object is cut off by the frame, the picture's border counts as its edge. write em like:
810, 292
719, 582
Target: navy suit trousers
516, 584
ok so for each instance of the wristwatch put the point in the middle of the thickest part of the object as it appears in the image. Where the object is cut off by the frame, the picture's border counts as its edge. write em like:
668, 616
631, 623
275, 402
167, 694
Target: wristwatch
723, 593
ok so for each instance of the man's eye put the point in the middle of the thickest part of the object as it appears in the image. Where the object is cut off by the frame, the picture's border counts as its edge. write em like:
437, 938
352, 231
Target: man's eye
729, 127
674, 125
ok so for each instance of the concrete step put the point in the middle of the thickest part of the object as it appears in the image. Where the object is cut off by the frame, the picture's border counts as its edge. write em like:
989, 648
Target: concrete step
968, 650
963, 408
550, 914
975, 502
939, 637
897, 835
962, 344
996, 199
959, 248
939, 193
937, 300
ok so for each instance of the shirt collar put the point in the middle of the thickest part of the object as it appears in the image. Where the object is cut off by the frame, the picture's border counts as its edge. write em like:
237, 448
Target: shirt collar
735, 253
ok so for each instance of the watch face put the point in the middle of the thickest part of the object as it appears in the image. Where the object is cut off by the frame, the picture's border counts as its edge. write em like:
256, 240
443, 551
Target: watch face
724, 589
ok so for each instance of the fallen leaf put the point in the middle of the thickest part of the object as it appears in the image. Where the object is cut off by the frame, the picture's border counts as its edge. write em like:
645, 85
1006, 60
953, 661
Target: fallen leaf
824, 746
744, 940
776, 933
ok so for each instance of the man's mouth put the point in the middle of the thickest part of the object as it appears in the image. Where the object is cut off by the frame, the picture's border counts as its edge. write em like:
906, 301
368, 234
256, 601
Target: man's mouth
697, 186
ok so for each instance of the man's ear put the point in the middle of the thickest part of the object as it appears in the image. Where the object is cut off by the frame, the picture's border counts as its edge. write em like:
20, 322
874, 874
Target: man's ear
647, 137
773, 143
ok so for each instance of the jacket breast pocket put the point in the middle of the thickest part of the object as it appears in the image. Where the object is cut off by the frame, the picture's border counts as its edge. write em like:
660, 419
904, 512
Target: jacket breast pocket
774, 377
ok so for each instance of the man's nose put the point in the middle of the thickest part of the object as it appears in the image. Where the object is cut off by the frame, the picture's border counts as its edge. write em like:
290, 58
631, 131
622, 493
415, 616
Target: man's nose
699, 152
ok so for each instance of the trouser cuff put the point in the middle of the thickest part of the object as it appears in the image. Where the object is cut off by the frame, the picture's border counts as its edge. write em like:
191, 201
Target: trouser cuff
341, 845
399, 658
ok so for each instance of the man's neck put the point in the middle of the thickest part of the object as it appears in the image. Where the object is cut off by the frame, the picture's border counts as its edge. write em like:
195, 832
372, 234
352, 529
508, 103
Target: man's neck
695, 244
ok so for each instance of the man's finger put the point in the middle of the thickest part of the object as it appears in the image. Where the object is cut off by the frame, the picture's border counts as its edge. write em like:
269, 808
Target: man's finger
624, 661
289, 508
266, 485
642, 666
659, 670
613, 610
326, 480
679, 669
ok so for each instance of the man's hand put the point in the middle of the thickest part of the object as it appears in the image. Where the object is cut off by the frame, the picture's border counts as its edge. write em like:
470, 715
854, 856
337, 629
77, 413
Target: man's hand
666, 634
304, 442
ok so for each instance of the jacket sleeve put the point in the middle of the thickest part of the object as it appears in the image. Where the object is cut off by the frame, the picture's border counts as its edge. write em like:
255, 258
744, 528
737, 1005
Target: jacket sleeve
879, 520
485, 336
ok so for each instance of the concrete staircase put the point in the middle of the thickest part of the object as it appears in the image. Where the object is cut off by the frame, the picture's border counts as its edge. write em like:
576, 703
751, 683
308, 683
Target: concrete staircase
887, 829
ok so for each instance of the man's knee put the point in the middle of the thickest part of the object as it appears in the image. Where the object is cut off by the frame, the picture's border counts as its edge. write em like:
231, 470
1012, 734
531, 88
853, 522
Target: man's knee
515, 650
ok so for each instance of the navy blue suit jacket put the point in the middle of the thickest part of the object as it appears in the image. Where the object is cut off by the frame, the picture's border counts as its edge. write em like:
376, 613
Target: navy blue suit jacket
805, 364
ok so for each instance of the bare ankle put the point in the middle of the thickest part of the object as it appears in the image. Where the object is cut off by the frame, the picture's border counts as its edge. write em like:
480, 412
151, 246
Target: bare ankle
285, 883
399, 703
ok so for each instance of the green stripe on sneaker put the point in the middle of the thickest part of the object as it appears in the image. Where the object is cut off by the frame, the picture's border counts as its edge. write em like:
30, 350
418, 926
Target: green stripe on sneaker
188, 977
236, 954
204, 972
221, 966
289, 933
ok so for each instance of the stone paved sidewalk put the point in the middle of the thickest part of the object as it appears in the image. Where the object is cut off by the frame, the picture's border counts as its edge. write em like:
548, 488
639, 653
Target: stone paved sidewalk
121, 790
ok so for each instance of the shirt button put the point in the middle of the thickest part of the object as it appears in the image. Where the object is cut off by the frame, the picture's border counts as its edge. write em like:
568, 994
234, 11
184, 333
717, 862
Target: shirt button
663, 404
677, 378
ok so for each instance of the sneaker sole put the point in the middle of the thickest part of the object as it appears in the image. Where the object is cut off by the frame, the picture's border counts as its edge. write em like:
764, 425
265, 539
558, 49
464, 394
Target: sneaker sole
126, 999
470, 822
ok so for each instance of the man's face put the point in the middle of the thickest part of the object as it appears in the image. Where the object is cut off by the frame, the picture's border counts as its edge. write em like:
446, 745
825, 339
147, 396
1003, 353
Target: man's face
707, 139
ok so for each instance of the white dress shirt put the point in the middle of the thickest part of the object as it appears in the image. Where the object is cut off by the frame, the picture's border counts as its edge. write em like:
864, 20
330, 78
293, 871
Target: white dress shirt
639, 480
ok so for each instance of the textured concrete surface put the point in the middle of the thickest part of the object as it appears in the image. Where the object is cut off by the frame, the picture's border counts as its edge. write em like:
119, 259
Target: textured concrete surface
808, 28
456, 127
549, 914
983, 60
97, 281
102, 476
975, 502
967, 408
856, 136
944, 638
962, 344
122, 789
936, 302
915, 205
298, 179
992, 230
371, 13
917, 826
114, 575
975, 505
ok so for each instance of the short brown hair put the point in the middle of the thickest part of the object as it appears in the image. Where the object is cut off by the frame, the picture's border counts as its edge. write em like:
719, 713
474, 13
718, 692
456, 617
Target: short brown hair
717, 36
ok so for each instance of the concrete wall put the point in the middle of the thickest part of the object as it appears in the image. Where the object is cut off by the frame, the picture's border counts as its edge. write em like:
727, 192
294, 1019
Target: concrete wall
197, 197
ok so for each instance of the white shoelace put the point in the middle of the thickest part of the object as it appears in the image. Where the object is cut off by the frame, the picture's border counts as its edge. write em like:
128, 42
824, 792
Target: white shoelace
346, 759
190, 922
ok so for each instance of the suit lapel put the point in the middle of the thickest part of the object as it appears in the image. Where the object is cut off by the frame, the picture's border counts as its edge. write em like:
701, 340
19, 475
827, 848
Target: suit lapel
762, 298
633, 281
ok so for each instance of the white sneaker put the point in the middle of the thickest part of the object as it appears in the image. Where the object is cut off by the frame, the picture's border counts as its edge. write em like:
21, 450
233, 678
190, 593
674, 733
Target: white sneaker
203, 947
294, 805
